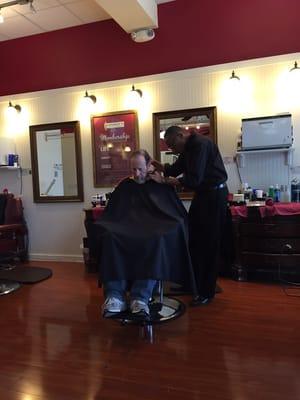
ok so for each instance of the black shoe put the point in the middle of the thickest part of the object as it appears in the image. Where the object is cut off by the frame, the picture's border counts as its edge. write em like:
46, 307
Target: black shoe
200, 301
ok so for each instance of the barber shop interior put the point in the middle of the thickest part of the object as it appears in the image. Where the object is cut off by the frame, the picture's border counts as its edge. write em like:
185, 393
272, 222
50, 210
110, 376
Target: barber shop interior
149, 200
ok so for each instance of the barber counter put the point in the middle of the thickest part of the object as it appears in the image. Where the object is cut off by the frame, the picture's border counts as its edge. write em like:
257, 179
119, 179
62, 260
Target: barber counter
92, 214
267, 241
259, 241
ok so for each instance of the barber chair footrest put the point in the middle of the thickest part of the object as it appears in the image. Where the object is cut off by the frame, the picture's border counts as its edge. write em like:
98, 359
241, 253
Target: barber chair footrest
169, 309
7, 287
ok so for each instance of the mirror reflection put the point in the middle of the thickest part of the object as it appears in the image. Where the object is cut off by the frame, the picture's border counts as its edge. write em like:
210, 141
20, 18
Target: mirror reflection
56, 160
199, 120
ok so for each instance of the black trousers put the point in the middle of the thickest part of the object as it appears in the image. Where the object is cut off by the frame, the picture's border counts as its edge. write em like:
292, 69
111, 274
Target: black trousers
207, 216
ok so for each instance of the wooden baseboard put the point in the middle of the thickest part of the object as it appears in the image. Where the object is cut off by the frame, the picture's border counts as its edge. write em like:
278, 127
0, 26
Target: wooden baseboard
55, 257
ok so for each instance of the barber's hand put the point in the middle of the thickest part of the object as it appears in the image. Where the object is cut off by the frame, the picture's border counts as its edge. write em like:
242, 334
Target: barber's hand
157, 165
170, 180
156, 176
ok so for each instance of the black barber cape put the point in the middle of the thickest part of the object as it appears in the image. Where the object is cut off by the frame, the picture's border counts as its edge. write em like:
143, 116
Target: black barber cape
143, 234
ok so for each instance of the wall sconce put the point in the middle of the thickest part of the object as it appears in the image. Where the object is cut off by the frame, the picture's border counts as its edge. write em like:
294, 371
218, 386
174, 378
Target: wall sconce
134, 98
89, 98
234, 76
14, 108
295, 67
127, 149
1, 17
136, 91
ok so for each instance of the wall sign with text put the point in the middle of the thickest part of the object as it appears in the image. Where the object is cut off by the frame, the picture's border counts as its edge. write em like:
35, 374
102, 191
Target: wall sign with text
114, 138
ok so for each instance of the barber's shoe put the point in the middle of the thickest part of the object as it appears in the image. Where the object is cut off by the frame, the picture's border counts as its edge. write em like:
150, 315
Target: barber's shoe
201, 301
140, 309
113, 305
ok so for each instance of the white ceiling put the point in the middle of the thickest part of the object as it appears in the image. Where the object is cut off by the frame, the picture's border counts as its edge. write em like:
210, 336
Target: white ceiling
50, 15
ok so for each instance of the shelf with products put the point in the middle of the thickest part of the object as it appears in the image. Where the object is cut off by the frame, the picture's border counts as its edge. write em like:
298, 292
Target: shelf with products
242, 154
8, 167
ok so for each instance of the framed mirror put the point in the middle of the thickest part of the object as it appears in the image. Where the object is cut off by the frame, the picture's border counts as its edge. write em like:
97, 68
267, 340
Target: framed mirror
200, 120
56, 162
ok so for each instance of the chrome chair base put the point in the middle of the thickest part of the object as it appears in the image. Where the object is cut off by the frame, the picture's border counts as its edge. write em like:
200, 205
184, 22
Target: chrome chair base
162, 309
7, 287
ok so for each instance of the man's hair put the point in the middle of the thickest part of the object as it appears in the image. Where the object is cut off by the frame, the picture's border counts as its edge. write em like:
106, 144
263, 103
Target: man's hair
173, 131
143, 153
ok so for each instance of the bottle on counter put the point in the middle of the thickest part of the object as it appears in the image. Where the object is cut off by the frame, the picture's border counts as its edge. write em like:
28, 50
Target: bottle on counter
244, 187
286, 195
247, 194
271, 192
277, 193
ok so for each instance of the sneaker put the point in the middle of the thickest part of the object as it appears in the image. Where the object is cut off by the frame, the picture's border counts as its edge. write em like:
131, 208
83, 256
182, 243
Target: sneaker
139, 307
113, 305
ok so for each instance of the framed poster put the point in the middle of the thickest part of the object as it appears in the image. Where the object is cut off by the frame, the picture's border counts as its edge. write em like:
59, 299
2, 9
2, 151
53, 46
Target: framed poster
114, 138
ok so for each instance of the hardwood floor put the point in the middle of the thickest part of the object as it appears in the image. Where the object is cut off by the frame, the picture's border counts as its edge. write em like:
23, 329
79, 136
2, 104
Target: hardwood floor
54, 345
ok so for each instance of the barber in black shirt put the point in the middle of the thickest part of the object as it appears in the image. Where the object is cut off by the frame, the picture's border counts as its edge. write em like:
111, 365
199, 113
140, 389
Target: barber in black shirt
203, 172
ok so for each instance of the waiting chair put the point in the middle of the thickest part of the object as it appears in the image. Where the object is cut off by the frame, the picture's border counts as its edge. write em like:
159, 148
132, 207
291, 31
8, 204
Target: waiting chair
13, 237
13, 228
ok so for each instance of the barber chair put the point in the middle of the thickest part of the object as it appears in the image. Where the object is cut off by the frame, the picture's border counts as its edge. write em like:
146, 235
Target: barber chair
13, 237
162, 309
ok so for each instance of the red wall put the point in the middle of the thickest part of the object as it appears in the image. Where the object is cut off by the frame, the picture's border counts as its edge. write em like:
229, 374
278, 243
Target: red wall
192, 33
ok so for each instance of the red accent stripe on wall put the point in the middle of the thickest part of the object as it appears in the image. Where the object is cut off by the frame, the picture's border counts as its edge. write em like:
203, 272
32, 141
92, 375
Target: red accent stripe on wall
192, 33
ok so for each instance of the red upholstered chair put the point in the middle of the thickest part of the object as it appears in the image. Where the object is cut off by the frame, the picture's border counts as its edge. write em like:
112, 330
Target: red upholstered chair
13, 229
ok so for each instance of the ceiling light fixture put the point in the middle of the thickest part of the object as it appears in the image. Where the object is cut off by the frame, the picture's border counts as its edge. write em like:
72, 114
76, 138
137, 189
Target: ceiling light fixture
90, 97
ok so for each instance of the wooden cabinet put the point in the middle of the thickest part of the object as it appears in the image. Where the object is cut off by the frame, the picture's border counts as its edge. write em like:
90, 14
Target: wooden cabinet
266, 245
91, 215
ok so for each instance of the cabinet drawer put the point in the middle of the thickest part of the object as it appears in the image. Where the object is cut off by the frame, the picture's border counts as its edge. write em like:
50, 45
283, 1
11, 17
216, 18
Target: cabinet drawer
7, 235
271, 261
270, 230
269, 245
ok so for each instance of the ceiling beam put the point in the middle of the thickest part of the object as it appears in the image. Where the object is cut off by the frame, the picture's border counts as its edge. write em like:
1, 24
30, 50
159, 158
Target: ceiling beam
132, 15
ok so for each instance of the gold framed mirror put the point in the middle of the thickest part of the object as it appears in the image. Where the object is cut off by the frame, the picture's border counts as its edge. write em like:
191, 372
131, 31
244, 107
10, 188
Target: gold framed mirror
56, 162
202, 120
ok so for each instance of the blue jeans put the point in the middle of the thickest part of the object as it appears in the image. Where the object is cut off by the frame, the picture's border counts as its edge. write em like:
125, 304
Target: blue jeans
140, 289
